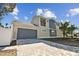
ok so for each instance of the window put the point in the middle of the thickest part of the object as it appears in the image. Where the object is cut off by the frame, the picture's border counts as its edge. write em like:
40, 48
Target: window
52, 32
43, 22
52, 24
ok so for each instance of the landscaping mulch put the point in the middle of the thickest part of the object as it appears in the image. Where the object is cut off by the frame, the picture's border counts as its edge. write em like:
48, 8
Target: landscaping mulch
12, 52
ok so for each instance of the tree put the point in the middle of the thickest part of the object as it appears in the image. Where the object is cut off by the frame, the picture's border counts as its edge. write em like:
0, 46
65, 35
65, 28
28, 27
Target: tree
64, 28
1, 25
71, 29
6, 8
67, 29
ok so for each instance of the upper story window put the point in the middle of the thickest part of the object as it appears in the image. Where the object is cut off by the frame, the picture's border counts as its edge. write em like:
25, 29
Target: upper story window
43, 21
52, 24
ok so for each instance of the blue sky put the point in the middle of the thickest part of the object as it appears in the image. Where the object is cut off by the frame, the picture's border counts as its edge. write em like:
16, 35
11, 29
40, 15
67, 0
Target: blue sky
61, 11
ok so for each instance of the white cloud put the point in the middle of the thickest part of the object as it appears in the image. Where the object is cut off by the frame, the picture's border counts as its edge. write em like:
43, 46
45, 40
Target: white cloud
73, 12
16, 17
39, 11
67, 15
15, 11
67, 20
25, 17
46, 13
49, 14
61, 21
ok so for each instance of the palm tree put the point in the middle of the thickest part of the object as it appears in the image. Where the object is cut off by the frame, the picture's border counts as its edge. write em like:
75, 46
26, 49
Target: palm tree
6, 8
64, 28
71, 29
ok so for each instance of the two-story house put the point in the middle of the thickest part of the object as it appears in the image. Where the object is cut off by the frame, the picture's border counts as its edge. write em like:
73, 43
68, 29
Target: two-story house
40, 27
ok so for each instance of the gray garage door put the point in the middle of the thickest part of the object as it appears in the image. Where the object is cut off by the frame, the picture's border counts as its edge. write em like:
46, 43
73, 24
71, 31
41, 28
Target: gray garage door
26, 33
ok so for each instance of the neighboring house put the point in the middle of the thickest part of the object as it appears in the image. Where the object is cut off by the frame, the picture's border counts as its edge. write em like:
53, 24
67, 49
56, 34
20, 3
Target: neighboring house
76, 32
39, 27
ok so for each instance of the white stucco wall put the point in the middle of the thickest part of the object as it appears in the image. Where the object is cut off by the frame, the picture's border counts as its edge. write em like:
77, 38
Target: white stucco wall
5, 36
59, 32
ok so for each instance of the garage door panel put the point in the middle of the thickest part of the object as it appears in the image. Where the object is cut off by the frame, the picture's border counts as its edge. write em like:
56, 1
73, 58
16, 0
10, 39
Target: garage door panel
26, 33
